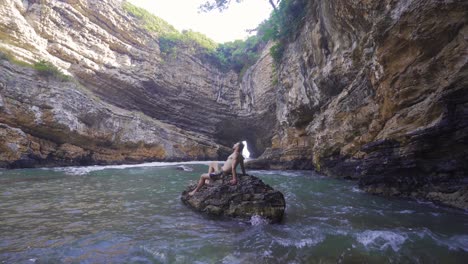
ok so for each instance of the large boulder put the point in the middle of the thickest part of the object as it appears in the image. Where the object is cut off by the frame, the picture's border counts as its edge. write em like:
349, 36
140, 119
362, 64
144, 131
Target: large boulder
250, 197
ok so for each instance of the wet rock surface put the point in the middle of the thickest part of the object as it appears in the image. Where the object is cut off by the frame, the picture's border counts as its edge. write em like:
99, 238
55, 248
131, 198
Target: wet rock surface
377, 91
249, 198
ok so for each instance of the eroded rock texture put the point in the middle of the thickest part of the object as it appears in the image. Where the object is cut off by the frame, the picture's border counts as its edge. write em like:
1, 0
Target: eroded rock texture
377, 91
250, 197
127, 102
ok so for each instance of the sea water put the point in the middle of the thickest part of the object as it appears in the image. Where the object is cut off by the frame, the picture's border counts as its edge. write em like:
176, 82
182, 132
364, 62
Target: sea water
133, 214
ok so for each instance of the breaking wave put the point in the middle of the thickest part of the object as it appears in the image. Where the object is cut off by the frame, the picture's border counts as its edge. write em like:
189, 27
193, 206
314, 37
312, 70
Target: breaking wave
381, 239
86, 170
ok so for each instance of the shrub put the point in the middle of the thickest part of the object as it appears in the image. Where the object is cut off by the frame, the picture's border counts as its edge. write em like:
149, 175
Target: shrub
47, 69
151, 22
281, 27
8, 56
169, 37
276, 52
239, 55
196, 38
167, 44
3, 56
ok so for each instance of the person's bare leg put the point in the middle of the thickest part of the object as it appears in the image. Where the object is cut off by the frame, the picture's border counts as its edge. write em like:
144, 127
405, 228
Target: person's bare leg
213, 167
200, 184
210, 170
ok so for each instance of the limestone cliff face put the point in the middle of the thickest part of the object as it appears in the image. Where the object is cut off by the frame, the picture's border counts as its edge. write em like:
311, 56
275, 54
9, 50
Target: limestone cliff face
377, 91
368, 90
49, 122
126, 101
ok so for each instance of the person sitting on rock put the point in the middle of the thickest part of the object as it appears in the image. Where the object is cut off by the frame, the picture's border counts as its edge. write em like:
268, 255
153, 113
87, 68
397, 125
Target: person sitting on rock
229, 167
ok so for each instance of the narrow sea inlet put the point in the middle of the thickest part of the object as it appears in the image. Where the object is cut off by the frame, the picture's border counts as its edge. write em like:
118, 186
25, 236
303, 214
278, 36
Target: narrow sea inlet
133, 214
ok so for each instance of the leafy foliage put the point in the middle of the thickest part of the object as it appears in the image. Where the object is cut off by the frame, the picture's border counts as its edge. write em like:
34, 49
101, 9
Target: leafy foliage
216, 4
167, 44
46, 68
6, 55
276, 52
169, 37
282, 26
3, 56
238, 55
194, 38
151, 22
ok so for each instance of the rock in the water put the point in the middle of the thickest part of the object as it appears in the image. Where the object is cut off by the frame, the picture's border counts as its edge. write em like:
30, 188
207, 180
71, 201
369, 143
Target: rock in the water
250, 197
184, 168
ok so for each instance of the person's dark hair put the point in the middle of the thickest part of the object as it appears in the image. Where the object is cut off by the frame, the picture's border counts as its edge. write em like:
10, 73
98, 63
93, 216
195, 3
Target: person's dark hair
241, 146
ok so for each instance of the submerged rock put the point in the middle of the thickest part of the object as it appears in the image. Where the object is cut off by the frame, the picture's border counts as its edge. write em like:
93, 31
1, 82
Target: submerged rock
250, 197
184, 168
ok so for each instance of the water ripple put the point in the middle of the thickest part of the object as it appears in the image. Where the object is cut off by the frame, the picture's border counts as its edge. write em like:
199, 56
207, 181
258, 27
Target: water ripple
133, 214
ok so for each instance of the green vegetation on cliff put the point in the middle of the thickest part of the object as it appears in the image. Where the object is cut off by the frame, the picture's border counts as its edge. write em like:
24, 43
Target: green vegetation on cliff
283, 25
7, 55
151, 22
47, 69
168, 35
44, 68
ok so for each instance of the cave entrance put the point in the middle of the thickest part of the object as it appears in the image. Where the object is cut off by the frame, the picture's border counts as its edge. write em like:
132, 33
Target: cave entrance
245, 151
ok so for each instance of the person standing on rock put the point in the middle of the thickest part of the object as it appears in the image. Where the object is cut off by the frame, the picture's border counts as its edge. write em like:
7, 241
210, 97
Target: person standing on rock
229, 167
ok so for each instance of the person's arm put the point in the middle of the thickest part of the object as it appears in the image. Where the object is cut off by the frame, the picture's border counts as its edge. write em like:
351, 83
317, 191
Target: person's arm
234, 174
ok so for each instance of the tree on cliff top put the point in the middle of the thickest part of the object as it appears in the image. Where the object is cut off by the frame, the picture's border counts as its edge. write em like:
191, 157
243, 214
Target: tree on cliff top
281, 27
224, 4
167, 33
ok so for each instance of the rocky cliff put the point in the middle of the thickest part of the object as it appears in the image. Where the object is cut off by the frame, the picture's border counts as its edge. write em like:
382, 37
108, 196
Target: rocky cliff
377, 91
367, 90
125, 101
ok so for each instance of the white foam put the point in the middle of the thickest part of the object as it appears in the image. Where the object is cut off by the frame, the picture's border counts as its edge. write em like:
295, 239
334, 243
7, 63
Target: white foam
406, 212
237, 258
338, 209
356, 190
161, 256
381, 239
300, 243
341, 232
320, 218
257, 220
185, 168
267, 253
87, 169
283, 173
458, 242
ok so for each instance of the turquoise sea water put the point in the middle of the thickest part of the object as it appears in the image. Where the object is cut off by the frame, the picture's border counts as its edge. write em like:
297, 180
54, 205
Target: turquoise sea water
133, 214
